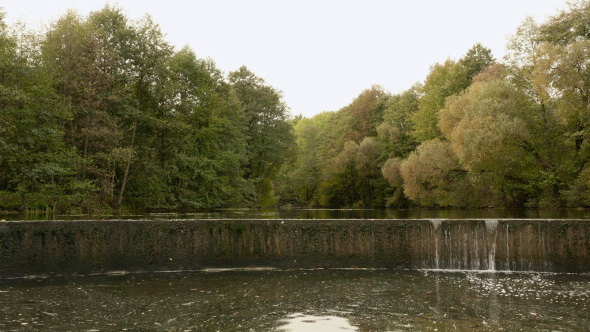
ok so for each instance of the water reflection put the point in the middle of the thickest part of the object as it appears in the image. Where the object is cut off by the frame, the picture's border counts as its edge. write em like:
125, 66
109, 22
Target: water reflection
309, 323
329, 214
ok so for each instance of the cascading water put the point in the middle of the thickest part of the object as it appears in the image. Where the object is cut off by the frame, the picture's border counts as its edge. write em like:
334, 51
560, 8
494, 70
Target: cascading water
492, 228
462, 245
436, 224
555, 245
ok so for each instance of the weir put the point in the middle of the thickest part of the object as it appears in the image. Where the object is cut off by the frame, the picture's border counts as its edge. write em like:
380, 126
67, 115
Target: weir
41, 247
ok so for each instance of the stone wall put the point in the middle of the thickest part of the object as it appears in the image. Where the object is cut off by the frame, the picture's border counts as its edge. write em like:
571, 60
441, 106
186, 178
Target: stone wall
42, 247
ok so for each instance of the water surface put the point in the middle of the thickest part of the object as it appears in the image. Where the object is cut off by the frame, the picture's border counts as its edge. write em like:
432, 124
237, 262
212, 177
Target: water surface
330, 214
298, 300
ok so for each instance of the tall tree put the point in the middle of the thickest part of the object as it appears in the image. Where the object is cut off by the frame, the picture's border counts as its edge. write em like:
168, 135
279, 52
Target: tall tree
569, 25
444, 80
269, 130
149, 55
86, 74
32, 157
499, 134
366, 113
395, 130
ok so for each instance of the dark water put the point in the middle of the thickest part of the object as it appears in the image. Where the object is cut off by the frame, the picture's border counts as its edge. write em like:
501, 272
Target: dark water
299, 300
328, 214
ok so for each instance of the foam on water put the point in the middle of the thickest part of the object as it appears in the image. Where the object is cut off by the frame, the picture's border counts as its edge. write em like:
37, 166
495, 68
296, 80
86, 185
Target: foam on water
435, 223
491, 224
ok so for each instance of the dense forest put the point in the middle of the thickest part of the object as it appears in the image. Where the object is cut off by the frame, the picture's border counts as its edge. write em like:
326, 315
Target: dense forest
101, 113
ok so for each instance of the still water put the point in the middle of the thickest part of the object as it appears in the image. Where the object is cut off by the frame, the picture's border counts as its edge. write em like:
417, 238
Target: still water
298, 300
327, 214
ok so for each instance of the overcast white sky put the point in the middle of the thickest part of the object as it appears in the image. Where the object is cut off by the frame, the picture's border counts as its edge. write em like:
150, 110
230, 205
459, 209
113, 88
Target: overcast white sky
320, 53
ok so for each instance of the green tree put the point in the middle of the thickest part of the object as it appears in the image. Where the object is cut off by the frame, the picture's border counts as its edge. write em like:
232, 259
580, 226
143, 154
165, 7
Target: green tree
568, 26
365, 113
86, 73
150, 53
547, 62
444, 80
395, 130
371, 183
32, 157
433, 176
305, 172
269, 131
391, 171
507, 141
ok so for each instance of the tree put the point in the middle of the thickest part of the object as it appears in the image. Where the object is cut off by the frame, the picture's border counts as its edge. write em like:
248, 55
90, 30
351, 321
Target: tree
568, 26
370, 180
433, 176
395, 130
339, 189
365, 113
506, 139
305, 172
88, 73
391, 171
149, 54
32, 157
475, 60
269, 132
548, 63
445, 80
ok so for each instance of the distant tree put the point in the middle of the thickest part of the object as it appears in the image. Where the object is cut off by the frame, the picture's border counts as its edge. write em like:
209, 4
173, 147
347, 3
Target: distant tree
304, 173
476, 60
339, 189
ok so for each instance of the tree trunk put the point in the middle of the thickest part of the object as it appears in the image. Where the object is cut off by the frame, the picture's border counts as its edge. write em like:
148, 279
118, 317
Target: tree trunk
126, 175
23, 203
260, 189
84, 162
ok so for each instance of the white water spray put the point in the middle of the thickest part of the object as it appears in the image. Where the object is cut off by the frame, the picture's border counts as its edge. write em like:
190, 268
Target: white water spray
492, 227
436, 224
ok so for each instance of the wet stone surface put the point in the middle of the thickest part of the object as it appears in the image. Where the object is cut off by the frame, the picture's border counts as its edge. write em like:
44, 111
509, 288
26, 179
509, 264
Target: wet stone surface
298, 300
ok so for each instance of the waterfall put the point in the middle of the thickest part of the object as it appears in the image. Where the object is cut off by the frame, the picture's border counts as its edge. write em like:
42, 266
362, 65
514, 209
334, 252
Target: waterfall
492, 228
507, 249
461, 245
436, 224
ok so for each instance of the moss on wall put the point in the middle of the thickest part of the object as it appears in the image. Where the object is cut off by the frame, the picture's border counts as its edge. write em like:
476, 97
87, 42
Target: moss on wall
35, 247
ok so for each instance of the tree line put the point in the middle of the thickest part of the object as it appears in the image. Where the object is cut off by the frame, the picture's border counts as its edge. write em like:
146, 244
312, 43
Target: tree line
102, 113
476, 133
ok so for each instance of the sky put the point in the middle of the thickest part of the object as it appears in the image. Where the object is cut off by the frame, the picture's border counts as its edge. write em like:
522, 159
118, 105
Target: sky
321, 53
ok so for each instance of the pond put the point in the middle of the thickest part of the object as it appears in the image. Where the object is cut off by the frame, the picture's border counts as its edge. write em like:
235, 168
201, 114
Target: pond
298, 300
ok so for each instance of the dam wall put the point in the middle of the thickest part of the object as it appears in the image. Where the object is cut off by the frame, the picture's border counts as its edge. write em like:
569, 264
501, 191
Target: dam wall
70, 247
